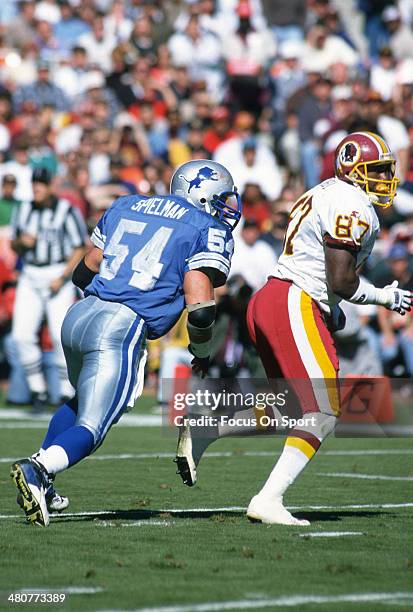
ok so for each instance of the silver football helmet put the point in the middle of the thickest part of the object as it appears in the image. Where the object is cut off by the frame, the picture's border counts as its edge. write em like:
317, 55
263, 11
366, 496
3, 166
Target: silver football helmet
210, 187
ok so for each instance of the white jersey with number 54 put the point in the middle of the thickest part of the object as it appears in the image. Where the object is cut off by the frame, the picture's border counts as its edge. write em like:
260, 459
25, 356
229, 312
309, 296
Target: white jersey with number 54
333, 212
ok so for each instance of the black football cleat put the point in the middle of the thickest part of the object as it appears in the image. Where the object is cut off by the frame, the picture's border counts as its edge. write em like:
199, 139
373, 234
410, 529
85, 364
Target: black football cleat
32, 481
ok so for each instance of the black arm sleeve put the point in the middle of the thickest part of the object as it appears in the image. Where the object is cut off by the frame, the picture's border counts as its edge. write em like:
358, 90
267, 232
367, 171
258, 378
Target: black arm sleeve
82, 275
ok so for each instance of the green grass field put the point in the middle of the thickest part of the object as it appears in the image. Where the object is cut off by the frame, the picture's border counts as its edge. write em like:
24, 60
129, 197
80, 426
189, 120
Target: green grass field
163, 546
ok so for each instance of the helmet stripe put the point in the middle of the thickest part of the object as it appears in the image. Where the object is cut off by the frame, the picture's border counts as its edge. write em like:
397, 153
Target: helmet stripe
380, 140
371, 136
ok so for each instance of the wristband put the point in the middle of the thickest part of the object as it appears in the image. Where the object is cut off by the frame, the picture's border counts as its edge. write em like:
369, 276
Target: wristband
367, 293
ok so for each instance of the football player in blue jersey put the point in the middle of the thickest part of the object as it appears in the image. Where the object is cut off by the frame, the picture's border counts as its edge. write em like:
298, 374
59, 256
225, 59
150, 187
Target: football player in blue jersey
152, 257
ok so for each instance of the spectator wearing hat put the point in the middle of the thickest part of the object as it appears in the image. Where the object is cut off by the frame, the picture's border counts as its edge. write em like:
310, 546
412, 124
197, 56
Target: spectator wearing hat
201, 52
43, 92
50, 237
40, 152
71, 73
255, 260
101, 196
96, 92
8, 202
231, 152
244, 127
336, 127
19, 167
322, 49
335, 27
383, 74
255, 206
220, 129
377, 118
400, 35
397, 333
247, 53
228, 14
98, 44
250, 170
47, 10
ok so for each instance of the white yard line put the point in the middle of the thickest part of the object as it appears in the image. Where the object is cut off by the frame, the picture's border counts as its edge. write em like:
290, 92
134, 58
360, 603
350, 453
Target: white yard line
23, 414
233, 454
364, 476
19, 425
12, 416
70, 590
222, 509
394, 451
329, 534
279, 602
149, 523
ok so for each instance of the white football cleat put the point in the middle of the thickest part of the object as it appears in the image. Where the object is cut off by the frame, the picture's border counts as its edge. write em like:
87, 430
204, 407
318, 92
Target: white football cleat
272, 512
184, 458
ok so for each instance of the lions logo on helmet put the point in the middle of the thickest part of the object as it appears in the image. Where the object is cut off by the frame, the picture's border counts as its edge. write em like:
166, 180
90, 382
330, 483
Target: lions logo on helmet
204, 174
350, 153
209, 186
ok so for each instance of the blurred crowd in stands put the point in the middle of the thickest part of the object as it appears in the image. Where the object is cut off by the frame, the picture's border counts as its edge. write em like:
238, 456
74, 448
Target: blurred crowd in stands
111, 95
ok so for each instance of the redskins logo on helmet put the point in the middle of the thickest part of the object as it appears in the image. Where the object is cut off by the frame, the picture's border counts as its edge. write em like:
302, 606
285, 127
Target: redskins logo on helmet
349, 153
360, 153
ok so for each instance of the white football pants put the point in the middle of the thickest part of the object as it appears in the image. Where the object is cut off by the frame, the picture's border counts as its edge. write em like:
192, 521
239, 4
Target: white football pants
33, 303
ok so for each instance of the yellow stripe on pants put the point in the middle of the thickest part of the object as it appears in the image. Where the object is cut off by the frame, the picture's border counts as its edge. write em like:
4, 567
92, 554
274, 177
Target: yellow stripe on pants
320, 353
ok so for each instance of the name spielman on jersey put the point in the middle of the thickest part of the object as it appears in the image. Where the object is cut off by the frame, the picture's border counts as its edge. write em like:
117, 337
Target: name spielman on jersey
158, 206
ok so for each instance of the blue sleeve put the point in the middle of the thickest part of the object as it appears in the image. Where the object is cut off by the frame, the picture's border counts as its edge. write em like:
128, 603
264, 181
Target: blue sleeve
98, 236
212, 253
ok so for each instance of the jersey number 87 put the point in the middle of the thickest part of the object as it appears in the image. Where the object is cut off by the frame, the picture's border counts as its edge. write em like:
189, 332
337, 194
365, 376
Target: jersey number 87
298, 213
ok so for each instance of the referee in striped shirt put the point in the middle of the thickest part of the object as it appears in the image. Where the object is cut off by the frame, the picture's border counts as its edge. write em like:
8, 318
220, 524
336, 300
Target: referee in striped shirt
50, 237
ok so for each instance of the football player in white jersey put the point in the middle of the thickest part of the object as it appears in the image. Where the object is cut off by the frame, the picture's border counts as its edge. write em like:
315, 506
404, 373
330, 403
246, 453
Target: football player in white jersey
331, 232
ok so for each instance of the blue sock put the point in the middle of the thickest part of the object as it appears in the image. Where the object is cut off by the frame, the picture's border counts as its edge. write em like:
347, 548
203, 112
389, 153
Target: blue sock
77, 442
63, 418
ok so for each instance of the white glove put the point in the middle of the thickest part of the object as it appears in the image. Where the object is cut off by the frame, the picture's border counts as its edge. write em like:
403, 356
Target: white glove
396, 299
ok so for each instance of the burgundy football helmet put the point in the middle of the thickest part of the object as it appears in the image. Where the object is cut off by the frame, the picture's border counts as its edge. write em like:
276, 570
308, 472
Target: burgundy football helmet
360, 153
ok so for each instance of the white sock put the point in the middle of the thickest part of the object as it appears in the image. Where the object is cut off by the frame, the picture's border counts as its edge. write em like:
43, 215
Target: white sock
54, 459
66, 389
37, 383
297, 452
39, 455
290, 464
